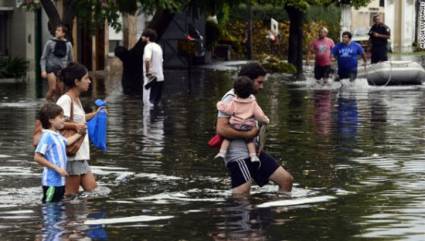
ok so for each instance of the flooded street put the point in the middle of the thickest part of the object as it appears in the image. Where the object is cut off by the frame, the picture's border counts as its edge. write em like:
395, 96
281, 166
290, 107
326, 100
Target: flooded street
357, 156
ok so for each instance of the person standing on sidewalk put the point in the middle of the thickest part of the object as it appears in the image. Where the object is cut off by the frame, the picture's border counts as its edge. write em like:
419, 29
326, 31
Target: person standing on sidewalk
57, 54
379, 35
322, 49
153, 78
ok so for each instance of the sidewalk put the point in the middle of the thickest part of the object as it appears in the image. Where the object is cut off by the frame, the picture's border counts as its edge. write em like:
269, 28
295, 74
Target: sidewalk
225, 65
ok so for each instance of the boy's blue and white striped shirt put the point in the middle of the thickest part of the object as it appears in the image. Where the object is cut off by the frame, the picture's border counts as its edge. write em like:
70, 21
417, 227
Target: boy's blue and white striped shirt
52, 146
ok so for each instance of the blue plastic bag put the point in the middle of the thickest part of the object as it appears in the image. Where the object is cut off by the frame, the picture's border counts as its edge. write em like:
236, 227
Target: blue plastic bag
97, 127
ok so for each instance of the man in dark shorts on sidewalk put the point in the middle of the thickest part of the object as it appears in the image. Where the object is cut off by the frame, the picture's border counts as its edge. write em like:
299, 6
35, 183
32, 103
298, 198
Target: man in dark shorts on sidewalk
241, 170
379, 35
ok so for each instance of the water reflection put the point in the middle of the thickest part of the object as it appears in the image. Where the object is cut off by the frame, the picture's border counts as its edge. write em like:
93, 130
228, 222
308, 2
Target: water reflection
378, 118
53, 226
158, 165
97, 232
153, 130
323, 112
240, 220
347, 118
65, 221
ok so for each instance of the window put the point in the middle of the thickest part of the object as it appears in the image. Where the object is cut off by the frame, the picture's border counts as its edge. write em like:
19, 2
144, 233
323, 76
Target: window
382, 3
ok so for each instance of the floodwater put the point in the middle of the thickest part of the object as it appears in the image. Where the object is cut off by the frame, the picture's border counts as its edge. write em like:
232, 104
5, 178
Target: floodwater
357, 154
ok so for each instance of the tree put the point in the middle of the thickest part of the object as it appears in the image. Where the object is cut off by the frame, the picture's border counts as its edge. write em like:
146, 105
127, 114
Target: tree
132, 76
295, 8
93, 13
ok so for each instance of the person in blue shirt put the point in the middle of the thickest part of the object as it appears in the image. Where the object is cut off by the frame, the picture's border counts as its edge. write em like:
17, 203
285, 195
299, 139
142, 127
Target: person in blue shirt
51, 152
346, 54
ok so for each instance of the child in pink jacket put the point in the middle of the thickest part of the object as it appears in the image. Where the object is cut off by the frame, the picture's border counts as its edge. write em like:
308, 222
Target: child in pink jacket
244, 113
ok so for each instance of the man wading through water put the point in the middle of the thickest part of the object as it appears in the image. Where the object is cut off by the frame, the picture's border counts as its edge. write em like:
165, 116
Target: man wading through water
379, 35
242, 171
153, 78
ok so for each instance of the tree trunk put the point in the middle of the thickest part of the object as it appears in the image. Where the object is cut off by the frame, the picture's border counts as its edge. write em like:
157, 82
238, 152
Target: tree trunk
132, 59
296, 38
55, 19
68, 17
52, 13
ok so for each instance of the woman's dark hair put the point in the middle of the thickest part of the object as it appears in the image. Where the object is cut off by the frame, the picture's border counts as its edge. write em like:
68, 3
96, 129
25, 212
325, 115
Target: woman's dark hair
72, 72
47, 112
348, 34
244, 87
252, 70
150, 33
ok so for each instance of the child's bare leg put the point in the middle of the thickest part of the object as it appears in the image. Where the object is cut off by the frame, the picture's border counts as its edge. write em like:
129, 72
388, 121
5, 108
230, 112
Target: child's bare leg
252, 152
51, 82
223, 149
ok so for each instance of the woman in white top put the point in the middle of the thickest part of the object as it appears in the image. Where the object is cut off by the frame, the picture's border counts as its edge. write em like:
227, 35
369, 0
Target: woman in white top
76, 79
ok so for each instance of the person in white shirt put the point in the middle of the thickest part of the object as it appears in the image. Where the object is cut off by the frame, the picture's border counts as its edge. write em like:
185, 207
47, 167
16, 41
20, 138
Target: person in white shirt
153, 78
76, 79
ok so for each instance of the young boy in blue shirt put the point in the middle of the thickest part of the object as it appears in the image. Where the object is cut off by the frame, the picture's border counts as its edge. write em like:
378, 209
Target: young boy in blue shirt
346, 54
51, 152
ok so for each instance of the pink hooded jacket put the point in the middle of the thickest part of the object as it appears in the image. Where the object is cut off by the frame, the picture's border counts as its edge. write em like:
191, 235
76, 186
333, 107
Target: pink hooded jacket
243, 111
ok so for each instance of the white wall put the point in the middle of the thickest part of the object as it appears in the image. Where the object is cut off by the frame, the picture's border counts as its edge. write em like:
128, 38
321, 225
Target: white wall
22, 36
408, 37
407, 21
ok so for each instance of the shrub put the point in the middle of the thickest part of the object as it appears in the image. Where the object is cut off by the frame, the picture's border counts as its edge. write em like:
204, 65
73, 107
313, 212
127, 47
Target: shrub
274, 64
13, 67
262, 45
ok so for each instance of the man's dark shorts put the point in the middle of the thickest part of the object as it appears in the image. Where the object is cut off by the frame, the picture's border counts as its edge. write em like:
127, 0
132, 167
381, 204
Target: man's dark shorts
53, 69
322, 71
379, 54
242, 171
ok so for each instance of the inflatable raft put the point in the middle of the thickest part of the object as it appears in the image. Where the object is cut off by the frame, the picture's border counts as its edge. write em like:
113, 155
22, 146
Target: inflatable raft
395, 73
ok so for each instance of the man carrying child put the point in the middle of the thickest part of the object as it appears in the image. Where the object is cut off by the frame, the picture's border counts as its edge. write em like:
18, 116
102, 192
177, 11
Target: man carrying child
238, 163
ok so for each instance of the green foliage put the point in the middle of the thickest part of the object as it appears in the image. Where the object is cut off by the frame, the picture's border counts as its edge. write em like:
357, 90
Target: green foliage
30, 5
13, 67
262, 45
305, 4
274, 64
95, 12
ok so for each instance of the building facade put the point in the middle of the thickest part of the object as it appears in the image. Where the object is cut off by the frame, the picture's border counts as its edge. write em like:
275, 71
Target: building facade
399, 15
401, 18
18, 33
